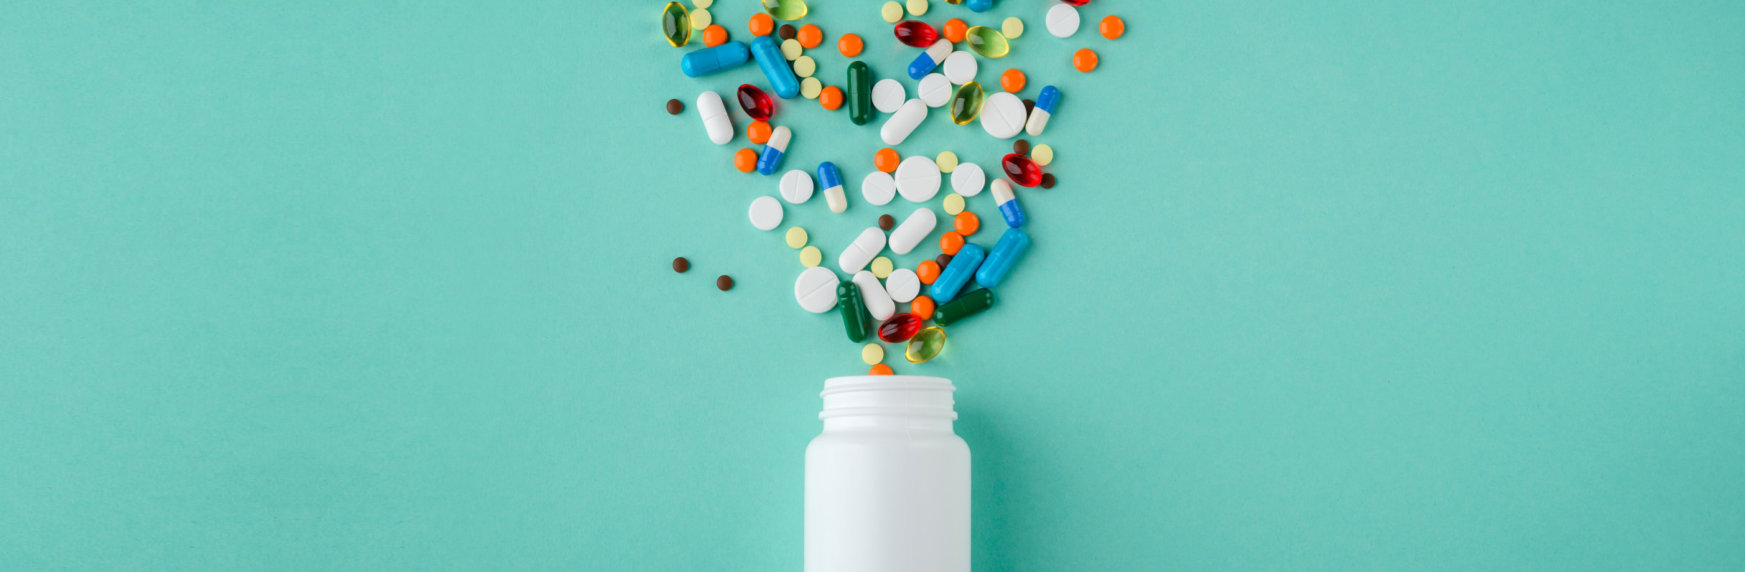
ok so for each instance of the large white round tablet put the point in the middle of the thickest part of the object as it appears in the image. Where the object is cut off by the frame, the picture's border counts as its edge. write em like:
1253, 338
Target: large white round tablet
1003, 115
918, 177
903, 285
968, 179
796, 186
960, 67
766, 213
879, 188
815, 289
1063, 20
935, 90
888, 95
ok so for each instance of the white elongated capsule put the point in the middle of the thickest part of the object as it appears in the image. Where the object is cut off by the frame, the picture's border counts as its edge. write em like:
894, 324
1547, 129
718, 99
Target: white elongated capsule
872, 293
913, 230
904, 121
864, 248
715, 118
1045, 103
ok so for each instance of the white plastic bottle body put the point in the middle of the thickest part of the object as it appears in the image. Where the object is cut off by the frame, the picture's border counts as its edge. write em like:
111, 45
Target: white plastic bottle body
888, 482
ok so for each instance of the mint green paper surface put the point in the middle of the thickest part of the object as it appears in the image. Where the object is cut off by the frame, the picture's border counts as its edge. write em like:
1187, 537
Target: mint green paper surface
1324, 286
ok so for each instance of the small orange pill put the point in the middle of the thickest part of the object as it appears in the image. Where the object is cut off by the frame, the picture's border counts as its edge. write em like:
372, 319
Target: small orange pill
714, 35
1084, 60
927, 271
921, 307
745, 160
955, 30
850, 45
1112, 27
1012, 80
967, 223
949, 243
886, 160
762, 25
830, 98
758, 132
810, 36
881, 369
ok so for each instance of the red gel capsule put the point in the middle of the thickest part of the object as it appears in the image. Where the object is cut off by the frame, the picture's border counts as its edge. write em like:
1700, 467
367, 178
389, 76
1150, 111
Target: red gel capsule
900, 328
756, 103
1077, 2
1022, 170
916, 34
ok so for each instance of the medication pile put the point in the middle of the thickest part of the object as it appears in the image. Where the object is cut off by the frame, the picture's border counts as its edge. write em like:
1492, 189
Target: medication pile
868, 300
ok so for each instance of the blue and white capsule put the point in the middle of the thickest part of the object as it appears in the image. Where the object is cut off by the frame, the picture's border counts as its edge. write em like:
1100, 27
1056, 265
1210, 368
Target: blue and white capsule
930, 59
1045, 103
775, 67
1007, 202
831, 178
978, 6
719, 58
1002, 257
957, 274
773, 150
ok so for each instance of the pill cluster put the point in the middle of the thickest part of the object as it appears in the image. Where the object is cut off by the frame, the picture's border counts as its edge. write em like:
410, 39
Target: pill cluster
959, 283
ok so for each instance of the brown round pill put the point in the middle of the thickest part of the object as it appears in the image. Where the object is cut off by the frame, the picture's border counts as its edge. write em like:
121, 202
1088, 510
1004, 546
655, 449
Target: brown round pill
787, 32
675, 106
680, 264
887, 221
1029, 104
942, 260
1048, 180
725, 283
1021, 147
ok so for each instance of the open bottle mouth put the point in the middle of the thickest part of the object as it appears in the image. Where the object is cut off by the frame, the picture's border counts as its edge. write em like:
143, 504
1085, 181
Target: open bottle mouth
888, 395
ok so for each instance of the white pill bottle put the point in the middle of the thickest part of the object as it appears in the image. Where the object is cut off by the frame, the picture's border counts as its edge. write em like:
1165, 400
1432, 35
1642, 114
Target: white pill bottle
887, 482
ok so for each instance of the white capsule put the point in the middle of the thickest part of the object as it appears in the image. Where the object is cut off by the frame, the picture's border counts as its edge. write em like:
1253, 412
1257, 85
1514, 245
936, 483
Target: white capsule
796, 186
934, 90
815, 289
903, 285
888, 95
865, 247
715, 119
1003, 115
906, 119
967, 179
918, 178
1062, 20
960, 67
878, 188
914, 229
872, 293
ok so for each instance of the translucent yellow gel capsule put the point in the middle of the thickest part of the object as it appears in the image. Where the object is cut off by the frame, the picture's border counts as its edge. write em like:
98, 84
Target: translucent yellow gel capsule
966, 103
785, 9
925, 345
987, 42
675, 23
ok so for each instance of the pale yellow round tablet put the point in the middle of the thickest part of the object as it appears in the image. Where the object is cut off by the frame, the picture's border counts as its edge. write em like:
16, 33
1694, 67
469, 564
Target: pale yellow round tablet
796, 237
872, 354
892, 12
700, 19
1012, 27
946, 161
702, 3
1042, 155
805, 66
882, 267
953, 204
811, 87
810, 256
917, 7
791, 49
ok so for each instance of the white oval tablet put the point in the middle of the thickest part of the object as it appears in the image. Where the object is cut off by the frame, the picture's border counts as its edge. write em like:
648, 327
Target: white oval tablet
903, 285
815, 289
872, 293
918, 178
905, 120
968, 179
1003, 115
888, 95
934, 90
796, 186
715, 119
864, 248
914, 229
879, 188
766, 213
1063, 20
960, 67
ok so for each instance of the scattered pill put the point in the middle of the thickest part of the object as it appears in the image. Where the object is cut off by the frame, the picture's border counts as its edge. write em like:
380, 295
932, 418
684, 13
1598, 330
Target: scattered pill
1112, 27
887, 221
900, 328
915, 34
886, 160
810, 256
1000, 260
969, 304
773, 150
796, 187
702, 3
791, 49
903, 285
715, 120
810, 36
943, 260
1002, 115
872, 354
680, 265
967, 179
1042, 155
927, 271
758, 132
987, 42
856, 320
1062, 20
951, 243
1012, 27
1084, 60
966, 103
925, 345
787, 32
966, 223
761, 25
1048, 180
1012, 80
859, 93
789, 10
700, 19
880, 267
855, 257
805, 66
917, 178
872, 293
675, 107
811, 87
978, 6
724, 282
1008, 203
960, 67
745, 160
850, 45
946, 161
878, 188
921, 307
1021, 170
917, 7
954, 30
815, 289
675, 23
830, 97
831, 178
881, 369
903, 122
796, 238
929, 59
913, 230
1021, 147
755, 102
714, 35
934, 90
1045, 103
954, 277
888, 95
891, 12
766, 213
953, 204
775, 67
1029, 104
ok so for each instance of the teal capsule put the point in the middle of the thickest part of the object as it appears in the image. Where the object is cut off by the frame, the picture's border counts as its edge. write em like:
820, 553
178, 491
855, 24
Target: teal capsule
860, 82
966, 103
856, 320
964, 306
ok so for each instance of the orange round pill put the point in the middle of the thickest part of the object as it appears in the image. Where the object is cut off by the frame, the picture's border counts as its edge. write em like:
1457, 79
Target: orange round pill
1012, 80
927, 271
881, 369
921, 307
830, 98
810, 36
955, 30
886, 160
1112, 27
1084, 60
950, 243
967, 223
714, 35
758, 132
762, 25
745, 160
850, 45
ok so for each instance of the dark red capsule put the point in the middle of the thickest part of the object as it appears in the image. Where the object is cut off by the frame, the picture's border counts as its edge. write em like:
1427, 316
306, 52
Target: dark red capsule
1021, 170
900, 328
756, 103
916, 34
1077, 2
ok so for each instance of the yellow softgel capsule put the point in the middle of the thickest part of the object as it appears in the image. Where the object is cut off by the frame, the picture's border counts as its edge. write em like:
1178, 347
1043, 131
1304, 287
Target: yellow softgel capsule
891, 12
917, 7
1012, 27
810, 256
700, 19
805, 66
872, 354
953, 204
789, 10
702, 3
1042, 155
947, 161
811, 87
925, 345
796, 237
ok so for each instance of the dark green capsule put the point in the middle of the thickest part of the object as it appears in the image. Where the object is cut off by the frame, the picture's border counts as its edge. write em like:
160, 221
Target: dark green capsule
965, 305
675, 23
860, 82
855, 318
966, 103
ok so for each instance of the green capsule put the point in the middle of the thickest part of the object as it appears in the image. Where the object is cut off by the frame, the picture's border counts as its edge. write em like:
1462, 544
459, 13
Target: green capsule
860, 83
987, 42
966, 103
855, 318
925, 345
675, 22
964, 306
785, 9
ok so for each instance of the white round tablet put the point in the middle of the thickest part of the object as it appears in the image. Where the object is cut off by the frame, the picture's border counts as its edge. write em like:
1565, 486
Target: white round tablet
1003, 115
1063, 20
796, 186
879, 188
918, 177
960, 67
903, 285
968, 179
766, 213
934, 90
815, 289
888, 95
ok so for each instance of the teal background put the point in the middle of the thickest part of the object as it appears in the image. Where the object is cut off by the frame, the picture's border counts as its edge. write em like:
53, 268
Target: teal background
1337, 285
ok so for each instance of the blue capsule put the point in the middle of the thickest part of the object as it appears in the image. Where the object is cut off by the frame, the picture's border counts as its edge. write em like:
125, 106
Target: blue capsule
771, 158
719, 58
775, 67
1002, 257
957, 274
831, 179
930, 59
1007, 202
978, 6
1045, 103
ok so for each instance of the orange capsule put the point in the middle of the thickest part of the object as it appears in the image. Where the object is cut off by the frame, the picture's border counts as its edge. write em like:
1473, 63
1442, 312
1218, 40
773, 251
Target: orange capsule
927, 271
830, 98
1112, 26
967, 223
881, 369
758, 132
886, 160
922, 307
949, 243
810, 36
745, 160
762, 25
714, 35
955, 30
850, 45
1084, 60
1012, 81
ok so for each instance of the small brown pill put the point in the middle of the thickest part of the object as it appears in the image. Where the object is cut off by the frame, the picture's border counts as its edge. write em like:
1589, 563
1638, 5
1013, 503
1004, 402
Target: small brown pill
675, 106
1048, 180
887, 221
942, 260
725, 283
787, 32
1021, 147
1029, 104
680, 264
